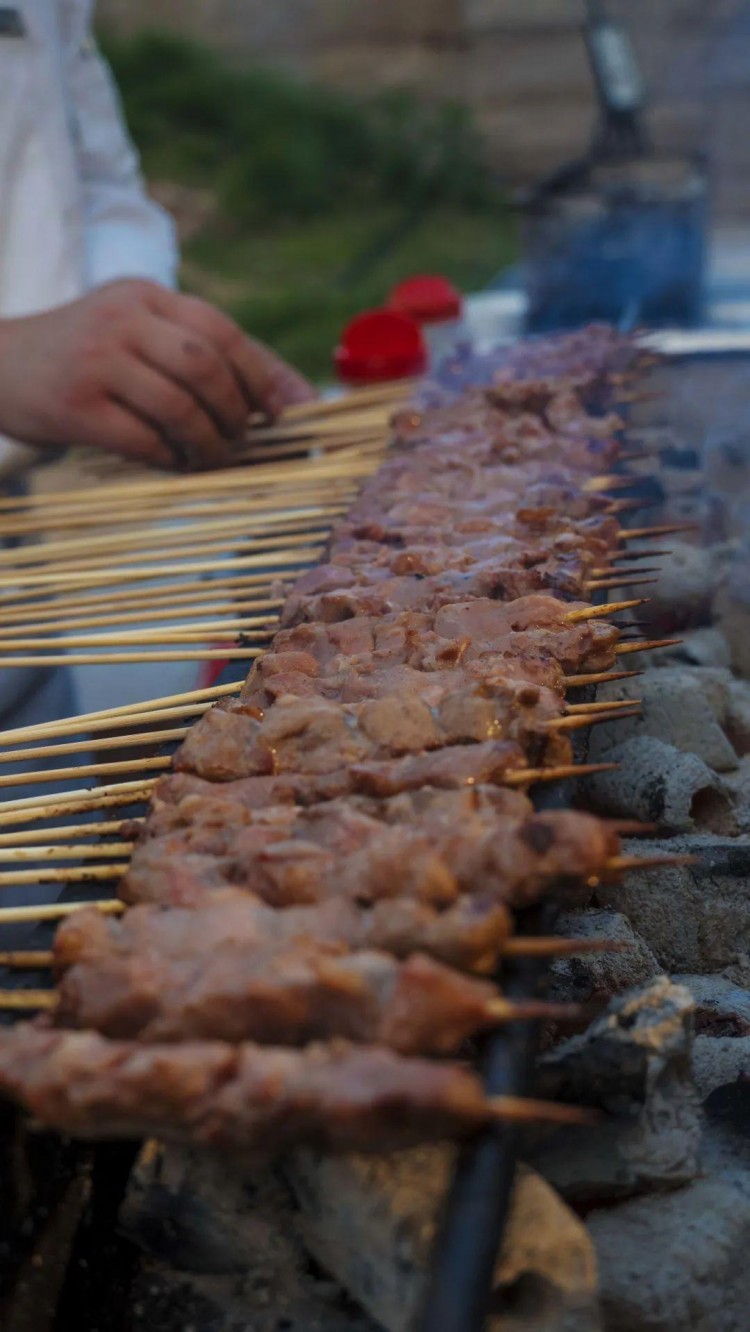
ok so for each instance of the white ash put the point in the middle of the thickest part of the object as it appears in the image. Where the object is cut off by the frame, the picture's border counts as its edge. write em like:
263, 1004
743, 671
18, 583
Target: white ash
677, 1262
371, 1221
679, 707
719, 1061
737, 715
695, 918
595, 976
739, 784
634, 1062
658, 783
732, 617
682, 593
722, 1008
222, 1249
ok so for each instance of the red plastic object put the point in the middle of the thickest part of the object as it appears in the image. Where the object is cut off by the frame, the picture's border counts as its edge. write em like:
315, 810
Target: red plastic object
380, 345
429, 298
210, 673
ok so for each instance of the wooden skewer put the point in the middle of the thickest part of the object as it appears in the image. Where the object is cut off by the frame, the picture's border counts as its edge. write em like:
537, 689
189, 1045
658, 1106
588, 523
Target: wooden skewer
613, 584
161, 536
175, 508
585, 709
37, 569
214, 632
370, 442
625, 556
84, 719
632, 505
77, 517
580, 723
155, 738
161, 614
58, 910
372, 419
662, 529
647, 645
597, 612
90, 874
524, 776
612, 571
108, 658
211, 633
107, 851
56, 605
539, 946
67, 832
620, 864
85, 770
121, 731
142, 573
632, 827
27, 961
399, 391
531, 1010
598, 677
521, 1110
346, 467
27, 999
616, 481
30, 811
170, 488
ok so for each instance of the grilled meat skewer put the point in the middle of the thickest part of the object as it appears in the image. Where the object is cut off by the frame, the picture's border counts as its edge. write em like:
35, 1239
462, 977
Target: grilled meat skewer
470, 934
302, 990
334, 851
243, 1098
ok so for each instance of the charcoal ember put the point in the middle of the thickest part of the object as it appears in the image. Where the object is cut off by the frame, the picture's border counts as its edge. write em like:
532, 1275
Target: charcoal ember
706, 647
731, 615
722, 1008
720, 1061
229, 1240
677, 1261
220, 1246
590, 977
658, 783
695, 918
633, 1061
737, 715
680, 707
372, 1223
682, 594
739, 784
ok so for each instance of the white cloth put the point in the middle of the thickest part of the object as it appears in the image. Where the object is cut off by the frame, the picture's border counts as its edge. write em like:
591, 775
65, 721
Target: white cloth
73, 209
73, 213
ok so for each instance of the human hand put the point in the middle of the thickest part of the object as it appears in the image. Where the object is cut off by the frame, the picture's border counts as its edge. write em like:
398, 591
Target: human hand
141, 371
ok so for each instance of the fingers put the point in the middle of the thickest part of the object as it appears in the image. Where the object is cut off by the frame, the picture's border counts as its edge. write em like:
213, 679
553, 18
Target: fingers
172, 412
283, 386
267, 382
197, 367
118, 430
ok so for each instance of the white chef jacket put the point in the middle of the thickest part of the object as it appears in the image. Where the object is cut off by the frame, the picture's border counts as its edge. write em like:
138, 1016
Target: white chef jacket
73, 209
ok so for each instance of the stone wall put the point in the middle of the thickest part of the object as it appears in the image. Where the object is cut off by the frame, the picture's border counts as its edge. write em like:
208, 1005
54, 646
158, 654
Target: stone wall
519, 63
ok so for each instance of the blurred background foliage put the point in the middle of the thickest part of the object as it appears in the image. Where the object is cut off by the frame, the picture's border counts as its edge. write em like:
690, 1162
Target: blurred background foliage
298, 205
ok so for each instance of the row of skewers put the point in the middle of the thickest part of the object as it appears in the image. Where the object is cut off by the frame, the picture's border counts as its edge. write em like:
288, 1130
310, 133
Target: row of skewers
322, 888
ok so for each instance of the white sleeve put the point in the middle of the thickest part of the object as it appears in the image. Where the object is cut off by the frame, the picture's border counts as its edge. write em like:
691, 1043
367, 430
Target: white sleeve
126, 233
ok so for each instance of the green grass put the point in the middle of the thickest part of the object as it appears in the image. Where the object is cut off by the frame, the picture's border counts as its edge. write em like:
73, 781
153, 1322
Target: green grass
322, 203
286, 286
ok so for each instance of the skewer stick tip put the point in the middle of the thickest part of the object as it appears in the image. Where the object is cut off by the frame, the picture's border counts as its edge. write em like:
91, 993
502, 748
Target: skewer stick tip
598, 612
520, 1110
